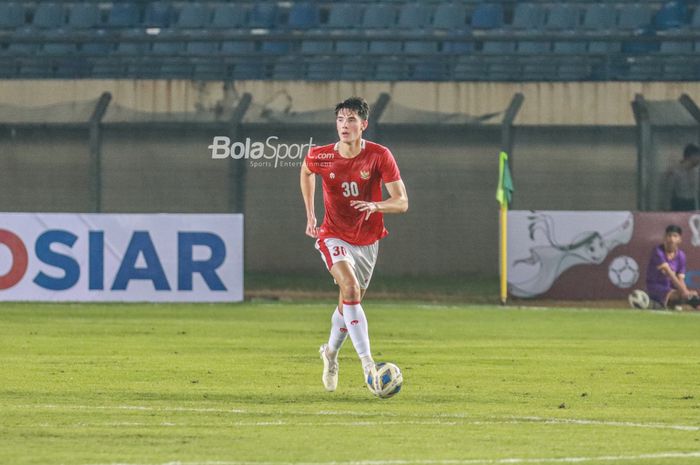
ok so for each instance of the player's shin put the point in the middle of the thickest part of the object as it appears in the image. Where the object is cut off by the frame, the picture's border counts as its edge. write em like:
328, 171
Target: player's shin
339, 333
356, 323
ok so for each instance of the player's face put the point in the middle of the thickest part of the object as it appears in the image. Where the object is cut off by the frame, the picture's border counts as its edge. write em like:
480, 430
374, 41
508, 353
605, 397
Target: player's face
672, 241
349, 126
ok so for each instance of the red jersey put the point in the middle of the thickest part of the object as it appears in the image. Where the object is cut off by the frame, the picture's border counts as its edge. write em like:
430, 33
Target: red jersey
346, 179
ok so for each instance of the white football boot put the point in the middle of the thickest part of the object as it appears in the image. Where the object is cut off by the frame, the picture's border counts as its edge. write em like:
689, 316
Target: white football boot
330, 370
374, 385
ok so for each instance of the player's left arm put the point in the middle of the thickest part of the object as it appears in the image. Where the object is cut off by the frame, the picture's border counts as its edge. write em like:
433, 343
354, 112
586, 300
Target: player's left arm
396, 203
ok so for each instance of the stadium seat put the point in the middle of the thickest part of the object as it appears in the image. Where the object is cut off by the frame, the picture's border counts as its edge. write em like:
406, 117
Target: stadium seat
211, 71
498, 47
108, 69
569, 47
11, 15
501, 71
59, 46
420, 47
288, 69
159, 14
137, 47
72, 68
562, 17
384, 47
228, 15
390, 70
695, 20
98, 48
323, 70
634, 16
316, 47
49, 16
343, 16
202, 48
83, 16
680, 71
16, 47
487, 16
351, 47
639, 46
36, 70
303, 15
248, 70
528, 16
176, 70
414, 16
449, 16
429, 71
238, 47
530, 47
275, 47
355, 69
599, 17
544, 71
643, 70
676, 47
457, 47
575, 70
123, 15
470, 68
263, 15
379, 16
672, 15
605, 48
193, 16
162, 46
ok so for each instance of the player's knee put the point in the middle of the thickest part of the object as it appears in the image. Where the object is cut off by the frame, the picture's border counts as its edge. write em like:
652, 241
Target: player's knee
351, 291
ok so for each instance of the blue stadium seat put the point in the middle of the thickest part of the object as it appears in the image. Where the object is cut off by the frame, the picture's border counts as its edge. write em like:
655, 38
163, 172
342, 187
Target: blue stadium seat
355, 69
167, 48
288, 70
498, 47
144, 69
695, 21
303, 15
351, 47
601, 47
569, 47
176, 70
639, 46
680, 71
248, 70
574, 70
562, 17
673, 14
108, 69
384, 47
11, 15
323, 70
420, 47
531, 47
643, 70
263, 15
316, 47
379, 16
676, 47
49, 16
211, 71
634, 16
487, 16
414, 16
228, 15
390, 70
544, 71
59, 46
135, 47
456, 47
159, 14
36, 70
449, 16
502, 71
125, 14
193, 16
469, 68
528, 16
72, 68
238, 47
23, 48
429, 71
202, 48
344, 15
275, 47
599, 17
84, 16
98, 48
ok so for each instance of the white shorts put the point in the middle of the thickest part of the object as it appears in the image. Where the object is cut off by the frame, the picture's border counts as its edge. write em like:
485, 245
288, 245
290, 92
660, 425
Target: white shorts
362, 258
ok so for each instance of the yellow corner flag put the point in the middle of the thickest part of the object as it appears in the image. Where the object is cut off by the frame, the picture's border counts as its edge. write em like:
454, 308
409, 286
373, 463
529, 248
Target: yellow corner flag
504, 195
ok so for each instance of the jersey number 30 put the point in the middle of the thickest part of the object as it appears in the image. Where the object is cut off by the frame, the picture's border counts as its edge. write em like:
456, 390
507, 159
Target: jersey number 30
350, 189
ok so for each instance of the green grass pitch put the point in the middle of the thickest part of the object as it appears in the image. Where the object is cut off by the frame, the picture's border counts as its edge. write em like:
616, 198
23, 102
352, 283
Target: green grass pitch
240, 384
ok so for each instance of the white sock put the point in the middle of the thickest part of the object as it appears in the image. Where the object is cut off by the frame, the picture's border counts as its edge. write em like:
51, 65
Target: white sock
356, 322
338, 334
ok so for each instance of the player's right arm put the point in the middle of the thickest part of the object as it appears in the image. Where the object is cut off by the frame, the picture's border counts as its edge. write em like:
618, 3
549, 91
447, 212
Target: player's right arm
308, 190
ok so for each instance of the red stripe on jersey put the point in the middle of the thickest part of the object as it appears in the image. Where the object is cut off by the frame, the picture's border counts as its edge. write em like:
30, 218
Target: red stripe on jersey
326, 253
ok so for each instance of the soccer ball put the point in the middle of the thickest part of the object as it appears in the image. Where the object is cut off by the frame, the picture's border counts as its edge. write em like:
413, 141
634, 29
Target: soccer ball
388, 382
638, 299
623, 271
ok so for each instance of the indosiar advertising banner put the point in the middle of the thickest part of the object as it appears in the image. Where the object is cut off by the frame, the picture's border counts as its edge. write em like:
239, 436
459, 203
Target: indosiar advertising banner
592, 254
121, 257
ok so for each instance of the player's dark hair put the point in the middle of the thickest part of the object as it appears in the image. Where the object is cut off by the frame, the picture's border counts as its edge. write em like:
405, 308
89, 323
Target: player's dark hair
356, 104
690, 150
672, 228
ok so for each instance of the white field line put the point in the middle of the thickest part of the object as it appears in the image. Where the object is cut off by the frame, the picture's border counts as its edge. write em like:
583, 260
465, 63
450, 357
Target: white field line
455, 419
513, 460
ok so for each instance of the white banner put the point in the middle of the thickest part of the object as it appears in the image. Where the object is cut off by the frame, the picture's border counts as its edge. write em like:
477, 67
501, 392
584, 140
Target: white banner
121, 257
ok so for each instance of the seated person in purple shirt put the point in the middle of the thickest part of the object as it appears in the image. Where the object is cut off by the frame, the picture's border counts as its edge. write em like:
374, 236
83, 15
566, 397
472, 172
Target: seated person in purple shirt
666, 272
